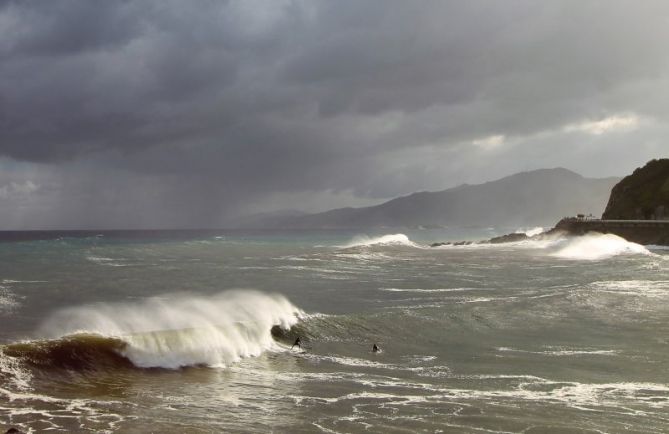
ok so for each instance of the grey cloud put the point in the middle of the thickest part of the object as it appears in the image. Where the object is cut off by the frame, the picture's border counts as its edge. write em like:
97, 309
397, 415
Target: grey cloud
207, 107
66, 27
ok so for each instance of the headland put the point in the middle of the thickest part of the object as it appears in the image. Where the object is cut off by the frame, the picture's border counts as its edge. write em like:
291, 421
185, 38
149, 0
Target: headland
637, 231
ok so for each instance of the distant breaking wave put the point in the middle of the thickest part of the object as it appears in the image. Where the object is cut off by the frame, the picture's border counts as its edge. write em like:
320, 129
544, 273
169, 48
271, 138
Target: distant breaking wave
589, 247
596, 246
385, 240
530, 232
162, 332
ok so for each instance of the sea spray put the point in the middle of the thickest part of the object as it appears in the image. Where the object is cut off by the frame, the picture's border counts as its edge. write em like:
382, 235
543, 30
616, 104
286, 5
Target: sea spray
595, 246
178, 330
591, 246
11, 372
531, 231
541, 242
384, 240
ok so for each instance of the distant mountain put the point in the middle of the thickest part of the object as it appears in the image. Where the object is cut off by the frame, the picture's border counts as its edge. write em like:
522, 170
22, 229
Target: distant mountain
540, 197
642, 195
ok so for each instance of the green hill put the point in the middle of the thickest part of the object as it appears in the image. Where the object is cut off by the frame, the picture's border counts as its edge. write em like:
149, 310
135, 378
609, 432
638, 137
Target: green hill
642, 195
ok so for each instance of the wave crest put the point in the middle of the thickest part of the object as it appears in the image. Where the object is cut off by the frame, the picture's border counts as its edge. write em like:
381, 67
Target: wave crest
384, 240
176, 330
595, 246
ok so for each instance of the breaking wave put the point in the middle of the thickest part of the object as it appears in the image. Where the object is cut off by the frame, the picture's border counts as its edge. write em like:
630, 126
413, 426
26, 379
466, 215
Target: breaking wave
385, 240
78, 352
163, 332
589, 247
596, 246
530, 232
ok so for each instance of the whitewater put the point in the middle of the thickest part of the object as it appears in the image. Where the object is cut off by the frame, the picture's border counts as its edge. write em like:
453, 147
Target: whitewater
177, 330
194, 332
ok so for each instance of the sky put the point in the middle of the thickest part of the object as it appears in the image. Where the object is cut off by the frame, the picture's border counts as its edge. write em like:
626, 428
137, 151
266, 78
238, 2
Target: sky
174, 114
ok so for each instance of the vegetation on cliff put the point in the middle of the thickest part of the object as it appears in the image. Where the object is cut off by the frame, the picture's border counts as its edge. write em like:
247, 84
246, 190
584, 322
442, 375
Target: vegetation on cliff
642, 195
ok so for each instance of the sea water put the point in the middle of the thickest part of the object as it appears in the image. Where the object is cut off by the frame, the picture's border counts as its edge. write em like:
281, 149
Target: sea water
192, 331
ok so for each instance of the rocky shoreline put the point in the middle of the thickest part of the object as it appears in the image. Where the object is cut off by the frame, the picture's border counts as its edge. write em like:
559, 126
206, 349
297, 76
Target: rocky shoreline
646, 232
638, 211
508, 238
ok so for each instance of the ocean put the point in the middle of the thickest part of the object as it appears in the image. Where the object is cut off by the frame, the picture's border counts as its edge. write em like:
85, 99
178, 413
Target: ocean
191, 331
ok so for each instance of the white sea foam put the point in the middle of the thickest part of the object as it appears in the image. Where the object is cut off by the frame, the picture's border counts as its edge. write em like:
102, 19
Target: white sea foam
425, 371
418, 358
592, 246
181, 330
429, 290
595, 246
385, 240
364, 256
530, 232
55, 411
11, 371
559, 351
110, 262
641, 288
352, 361
7, 298
571, 394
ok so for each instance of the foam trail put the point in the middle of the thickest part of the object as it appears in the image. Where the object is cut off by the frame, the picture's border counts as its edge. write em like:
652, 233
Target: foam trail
418, 290
182, 330
596, 246
7, 299
385, 240
12, 372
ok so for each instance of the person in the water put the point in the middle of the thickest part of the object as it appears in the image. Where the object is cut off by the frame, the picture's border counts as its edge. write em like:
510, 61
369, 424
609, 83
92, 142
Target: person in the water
298, 343
375, 349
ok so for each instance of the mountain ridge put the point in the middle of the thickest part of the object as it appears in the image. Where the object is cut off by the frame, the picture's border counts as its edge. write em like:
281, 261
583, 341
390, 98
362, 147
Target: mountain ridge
537, 197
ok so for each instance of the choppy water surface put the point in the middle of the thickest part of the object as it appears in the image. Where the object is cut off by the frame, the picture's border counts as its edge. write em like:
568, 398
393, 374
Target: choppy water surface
169, 333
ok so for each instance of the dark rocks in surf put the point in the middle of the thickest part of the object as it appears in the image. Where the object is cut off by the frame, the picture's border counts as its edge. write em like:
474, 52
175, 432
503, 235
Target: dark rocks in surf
449, 243
13, 431
647, 232
509, 238
638, 208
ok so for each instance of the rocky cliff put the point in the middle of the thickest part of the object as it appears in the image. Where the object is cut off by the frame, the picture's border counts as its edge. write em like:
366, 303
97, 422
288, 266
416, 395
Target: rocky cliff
643, 195
653, 232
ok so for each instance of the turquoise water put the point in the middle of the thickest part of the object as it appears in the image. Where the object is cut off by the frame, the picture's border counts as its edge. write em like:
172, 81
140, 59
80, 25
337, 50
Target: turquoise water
165, 332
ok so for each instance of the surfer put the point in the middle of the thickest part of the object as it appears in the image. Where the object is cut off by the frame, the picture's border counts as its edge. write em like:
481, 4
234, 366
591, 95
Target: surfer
298, 343
375, 349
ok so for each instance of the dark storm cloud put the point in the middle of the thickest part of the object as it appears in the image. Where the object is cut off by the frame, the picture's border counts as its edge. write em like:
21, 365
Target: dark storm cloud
198, 109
